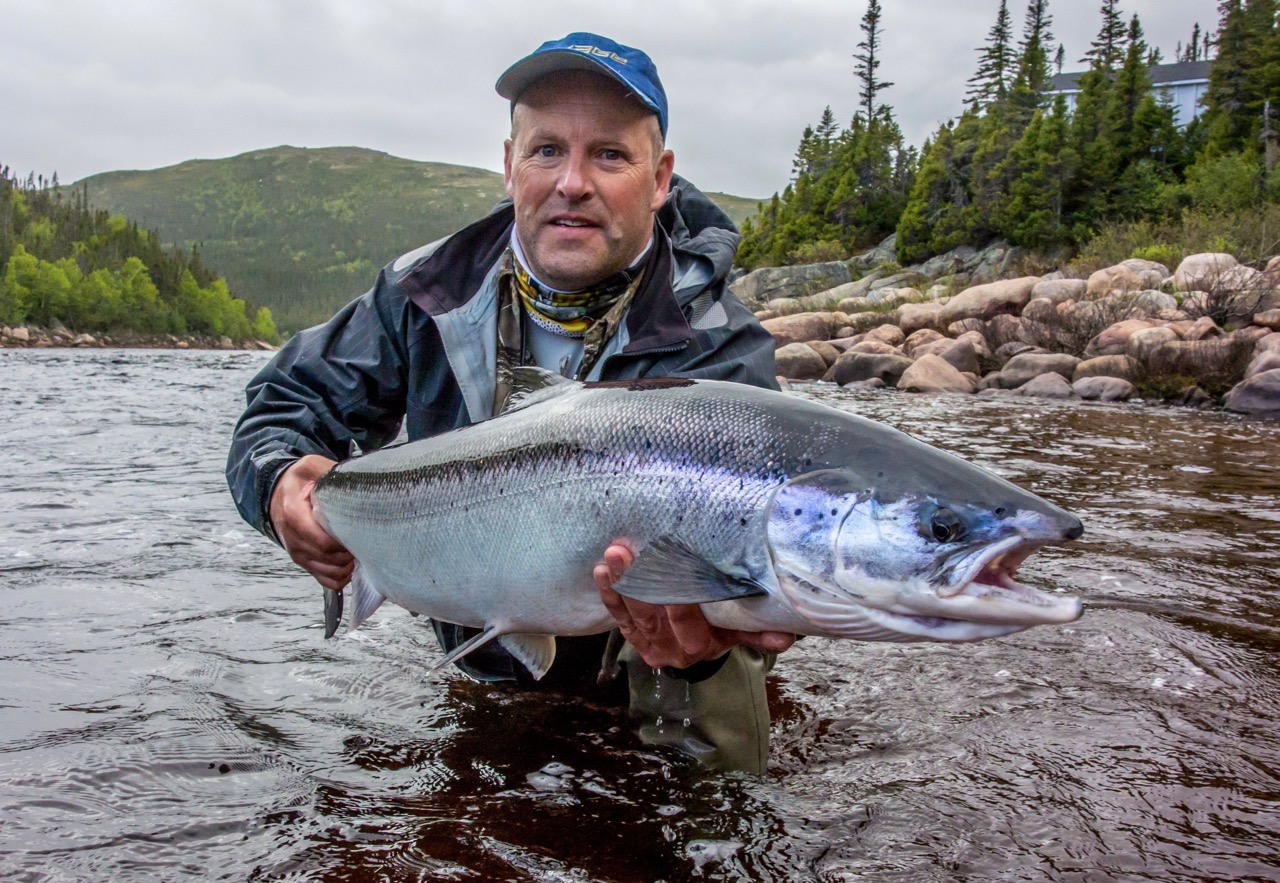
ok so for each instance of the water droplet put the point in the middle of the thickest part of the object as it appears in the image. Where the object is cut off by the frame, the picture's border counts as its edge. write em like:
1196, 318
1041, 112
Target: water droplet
686, 722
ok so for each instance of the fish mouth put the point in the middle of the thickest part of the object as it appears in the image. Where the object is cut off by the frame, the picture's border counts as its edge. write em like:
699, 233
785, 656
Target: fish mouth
982, 588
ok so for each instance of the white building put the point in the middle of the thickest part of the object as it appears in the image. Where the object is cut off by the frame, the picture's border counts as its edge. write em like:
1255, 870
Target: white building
1180, 84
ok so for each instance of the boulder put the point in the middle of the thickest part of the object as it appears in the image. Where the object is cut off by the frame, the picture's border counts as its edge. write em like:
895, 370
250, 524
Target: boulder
1151, 272
1104, 389
1004, 329
1122, 367
960, 354
765, 315
761, 286
1202, 329
990, 381
869, 383
915, 317
87, 340
1026, 366
1193, 397
799, 361
871, 345
919, 338
1270, 342
852, 367
1154, 303
1112, 340
1250, 333
1117, 278
825, 349
1202, 272
1268, 361
801, 327
1041, 311
20, 334
853, 305
786, 306
931, 373
978, 342
890, 334
1047, 386
1217, 357
993, 299
1145, 341
883, 253
863, 322
955, 329
1057, 291
1260, 394
1007, 351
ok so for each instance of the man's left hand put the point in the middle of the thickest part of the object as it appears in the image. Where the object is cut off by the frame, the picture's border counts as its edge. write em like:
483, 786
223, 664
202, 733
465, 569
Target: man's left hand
675, 635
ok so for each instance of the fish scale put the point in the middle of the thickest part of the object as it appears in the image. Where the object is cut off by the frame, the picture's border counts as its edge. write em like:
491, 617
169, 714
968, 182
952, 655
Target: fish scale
723, 491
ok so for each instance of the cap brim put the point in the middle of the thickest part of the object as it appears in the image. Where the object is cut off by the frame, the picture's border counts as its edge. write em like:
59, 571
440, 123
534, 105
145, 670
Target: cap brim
523, 73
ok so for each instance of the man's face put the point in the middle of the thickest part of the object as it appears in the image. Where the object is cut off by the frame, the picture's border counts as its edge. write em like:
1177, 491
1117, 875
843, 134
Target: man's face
586, 175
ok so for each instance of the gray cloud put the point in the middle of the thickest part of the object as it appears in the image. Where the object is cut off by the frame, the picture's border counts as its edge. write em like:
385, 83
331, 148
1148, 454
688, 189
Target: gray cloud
93, 87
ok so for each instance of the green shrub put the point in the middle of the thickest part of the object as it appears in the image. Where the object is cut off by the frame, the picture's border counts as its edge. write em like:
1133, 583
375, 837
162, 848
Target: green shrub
1161, 253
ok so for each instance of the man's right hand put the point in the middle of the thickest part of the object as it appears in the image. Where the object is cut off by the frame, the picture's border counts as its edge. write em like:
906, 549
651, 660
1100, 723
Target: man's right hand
296, 527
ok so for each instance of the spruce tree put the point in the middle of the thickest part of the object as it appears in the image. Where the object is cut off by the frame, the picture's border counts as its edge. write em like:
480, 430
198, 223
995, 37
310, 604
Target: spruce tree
868, 60
1108, 48
1033, 62
996, 62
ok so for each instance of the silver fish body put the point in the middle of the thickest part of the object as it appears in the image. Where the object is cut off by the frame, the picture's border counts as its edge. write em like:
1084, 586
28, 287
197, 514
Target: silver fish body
773, 512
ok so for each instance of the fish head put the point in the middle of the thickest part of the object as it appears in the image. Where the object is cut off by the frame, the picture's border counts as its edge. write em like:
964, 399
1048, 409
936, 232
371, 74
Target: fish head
909, 559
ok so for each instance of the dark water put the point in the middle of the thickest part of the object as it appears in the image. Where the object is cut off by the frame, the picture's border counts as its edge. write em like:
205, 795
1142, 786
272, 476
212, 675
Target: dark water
169, 710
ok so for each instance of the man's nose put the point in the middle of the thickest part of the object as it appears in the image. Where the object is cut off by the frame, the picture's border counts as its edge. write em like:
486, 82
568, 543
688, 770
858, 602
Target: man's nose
575, 177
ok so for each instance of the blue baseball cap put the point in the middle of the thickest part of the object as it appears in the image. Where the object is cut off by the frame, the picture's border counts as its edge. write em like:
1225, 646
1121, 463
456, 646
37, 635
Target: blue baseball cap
590, 52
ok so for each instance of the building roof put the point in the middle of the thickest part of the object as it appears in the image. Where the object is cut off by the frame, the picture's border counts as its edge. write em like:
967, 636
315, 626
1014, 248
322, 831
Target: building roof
1160, 74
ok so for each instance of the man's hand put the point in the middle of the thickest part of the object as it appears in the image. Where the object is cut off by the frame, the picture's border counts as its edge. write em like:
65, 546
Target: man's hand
304, 539
677, 635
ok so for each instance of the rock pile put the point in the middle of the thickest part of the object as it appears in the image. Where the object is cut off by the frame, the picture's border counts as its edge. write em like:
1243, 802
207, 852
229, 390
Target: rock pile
1212, 324
58, 335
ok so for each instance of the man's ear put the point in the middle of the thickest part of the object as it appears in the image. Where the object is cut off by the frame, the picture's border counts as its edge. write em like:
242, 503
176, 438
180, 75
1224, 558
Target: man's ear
507, 149
662, 179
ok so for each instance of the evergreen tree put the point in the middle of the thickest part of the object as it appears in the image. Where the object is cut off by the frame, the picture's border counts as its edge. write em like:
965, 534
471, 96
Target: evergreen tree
996, 62
1108, 48
1033, 62
869, 61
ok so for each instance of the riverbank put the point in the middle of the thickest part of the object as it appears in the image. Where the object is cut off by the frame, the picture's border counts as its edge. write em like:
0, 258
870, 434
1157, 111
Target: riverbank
1205, 335
37, 337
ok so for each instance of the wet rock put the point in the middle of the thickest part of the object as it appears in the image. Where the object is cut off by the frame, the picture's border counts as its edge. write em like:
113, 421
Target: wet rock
915, 317
919, 338
931, 373
890, 334
1058, 291
1027, 366
1193, 397
825, 349
1047, 386
870, 383
1202, 272
1122, 367
1260, 394
852, 366
990, 381
1008, 296
799, 361
800, 328
1104, 389
1113, 340
1262, 362
959, 354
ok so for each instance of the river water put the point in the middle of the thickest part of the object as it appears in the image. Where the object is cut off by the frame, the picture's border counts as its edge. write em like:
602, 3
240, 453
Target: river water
169, 709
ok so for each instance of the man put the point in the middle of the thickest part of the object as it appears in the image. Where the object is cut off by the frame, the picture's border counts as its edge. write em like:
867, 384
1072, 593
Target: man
604, 265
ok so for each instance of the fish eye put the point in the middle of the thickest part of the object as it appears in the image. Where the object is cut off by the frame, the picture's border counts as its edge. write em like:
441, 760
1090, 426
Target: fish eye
945, 526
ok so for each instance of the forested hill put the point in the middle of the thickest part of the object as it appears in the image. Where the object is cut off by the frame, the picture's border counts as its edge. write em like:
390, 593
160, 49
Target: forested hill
305, 230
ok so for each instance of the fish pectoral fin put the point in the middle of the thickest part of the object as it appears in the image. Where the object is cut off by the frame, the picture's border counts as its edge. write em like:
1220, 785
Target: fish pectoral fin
531, 384
332, 611
365, 599
669, 572
474, 642
535, 652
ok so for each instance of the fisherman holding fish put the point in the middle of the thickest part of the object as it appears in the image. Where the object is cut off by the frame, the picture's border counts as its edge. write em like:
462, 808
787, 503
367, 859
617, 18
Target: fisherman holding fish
602, 266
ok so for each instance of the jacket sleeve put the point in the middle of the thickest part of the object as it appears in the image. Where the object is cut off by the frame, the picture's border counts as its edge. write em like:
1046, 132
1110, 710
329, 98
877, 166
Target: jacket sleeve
728, 343
329, 389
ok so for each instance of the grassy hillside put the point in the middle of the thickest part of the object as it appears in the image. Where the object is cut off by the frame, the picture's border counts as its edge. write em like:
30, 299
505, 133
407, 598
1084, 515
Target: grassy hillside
305, 230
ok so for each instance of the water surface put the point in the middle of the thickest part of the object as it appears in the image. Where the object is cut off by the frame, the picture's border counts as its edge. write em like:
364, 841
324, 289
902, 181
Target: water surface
169, 710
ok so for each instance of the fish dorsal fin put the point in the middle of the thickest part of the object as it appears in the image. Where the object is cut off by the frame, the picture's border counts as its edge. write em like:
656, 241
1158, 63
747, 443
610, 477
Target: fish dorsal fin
535, 652
530, 384
669, 572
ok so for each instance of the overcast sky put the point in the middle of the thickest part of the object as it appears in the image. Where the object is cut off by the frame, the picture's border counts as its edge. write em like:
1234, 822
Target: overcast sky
136, 84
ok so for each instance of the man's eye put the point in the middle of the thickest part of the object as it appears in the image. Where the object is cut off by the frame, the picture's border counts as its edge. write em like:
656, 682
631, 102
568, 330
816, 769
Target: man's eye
546, 150
611, 155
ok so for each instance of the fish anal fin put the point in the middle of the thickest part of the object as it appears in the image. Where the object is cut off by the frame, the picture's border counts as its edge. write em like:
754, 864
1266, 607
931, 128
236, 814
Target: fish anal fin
535, 652
476, 641
332, 612
669, 572
365, 598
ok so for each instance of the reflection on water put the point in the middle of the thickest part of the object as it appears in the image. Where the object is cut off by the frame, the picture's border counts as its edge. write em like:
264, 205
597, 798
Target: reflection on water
168, 708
